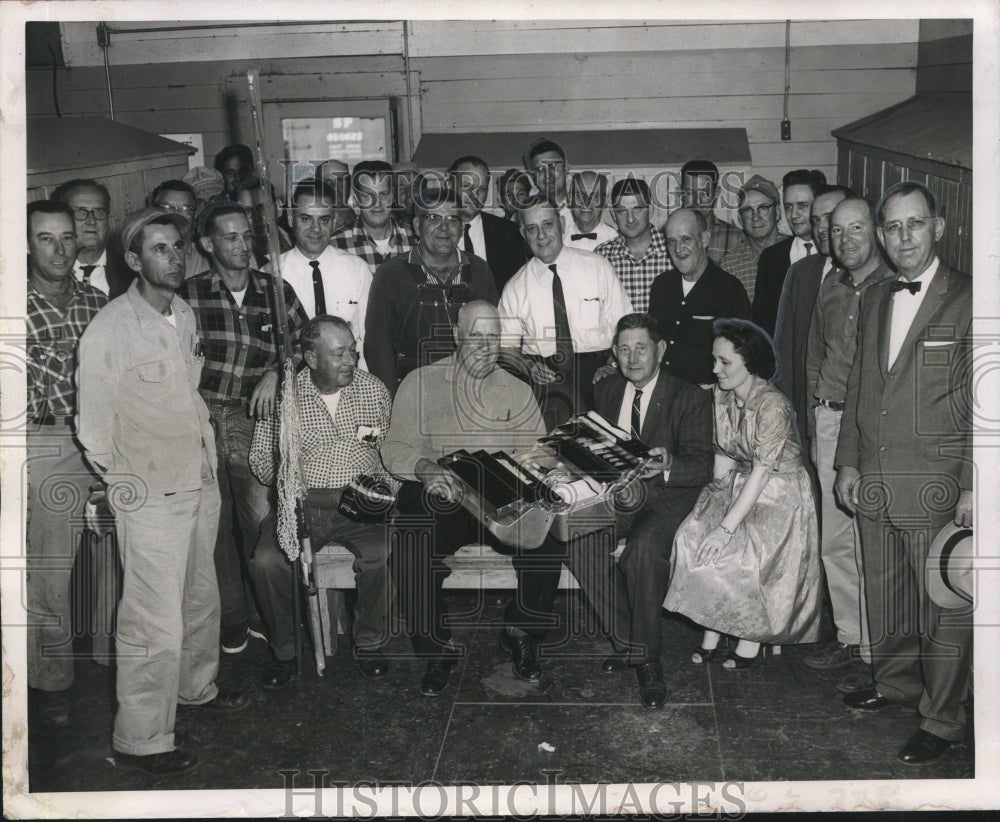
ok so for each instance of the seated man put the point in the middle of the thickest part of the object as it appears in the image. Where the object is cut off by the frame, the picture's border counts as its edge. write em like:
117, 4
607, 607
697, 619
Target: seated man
465, 402
674, 417
344, 414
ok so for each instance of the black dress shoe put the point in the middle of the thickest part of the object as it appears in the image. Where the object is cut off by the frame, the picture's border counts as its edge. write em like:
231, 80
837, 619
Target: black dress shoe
278, 674
618, 661
923, 747
169, 763
435, 678
868, 699
225, 702
372, 664
652, 688
522, 654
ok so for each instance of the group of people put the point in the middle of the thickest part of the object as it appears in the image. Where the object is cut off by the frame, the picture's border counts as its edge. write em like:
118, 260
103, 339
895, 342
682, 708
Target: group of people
421, 324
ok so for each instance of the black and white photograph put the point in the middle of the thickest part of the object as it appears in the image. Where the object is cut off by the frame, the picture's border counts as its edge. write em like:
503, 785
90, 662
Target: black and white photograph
456, 410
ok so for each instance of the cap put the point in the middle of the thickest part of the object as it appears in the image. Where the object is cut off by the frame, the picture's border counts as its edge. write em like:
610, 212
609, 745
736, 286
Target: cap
949, 567
762, 186
206, 182
138, 220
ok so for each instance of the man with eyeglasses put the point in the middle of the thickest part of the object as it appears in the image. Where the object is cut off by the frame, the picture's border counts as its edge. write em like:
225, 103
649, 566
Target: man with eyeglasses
327, 280
99, 263
376, 236
415, 297
687, 300
758, 209
904, 460
491, 238
234, 306
178, 197
639, 254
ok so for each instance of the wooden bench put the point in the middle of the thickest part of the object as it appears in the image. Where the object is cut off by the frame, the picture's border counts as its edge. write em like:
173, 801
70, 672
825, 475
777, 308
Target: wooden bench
472, 567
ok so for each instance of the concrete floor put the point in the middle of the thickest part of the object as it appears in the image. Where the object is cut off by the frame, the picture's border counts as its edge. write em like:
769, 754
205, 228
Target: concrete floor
777, 721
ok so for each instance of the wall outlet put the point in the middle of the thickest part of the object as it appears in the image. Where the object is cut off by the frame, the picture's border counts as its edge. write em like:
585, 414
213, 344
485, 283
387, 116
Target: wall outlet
786, 129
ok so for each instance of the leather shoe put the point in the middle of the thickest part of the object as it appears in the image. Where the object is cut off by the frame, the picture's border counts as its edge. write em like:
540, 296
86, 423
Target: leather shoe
371, 662
225, 702
169, 763
868, 699
923, 747
522, 654
618, 661
435, 678
652, 688
278, 674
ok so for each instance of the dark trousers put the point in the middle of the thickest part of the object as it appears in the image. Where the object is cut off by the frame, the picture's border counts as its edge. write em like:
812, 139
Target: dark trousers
572, 392
426, 531
271, 573
920, 652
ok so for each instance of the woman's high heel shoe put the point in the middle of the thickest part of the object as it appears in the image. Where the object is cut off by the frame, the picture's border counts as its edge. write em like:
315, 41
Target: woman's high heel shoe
735, 662
702, 656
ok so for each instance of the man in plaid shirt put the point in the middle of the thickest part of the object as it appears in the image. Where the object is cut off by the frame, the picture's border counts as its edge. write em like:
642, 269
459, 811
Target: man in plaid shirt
639, 254
344, 419
376, 236
234, 306
59, 309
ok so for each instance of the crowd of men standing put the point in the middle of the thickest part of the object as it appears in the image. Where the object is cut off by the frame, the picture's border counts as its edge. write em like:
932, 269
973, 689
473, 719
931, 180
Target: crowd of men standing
153, 372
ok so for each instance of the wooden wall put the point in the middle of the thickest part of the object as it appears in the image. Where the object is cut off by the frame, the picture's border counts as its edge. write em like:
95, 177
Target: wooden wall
513, 76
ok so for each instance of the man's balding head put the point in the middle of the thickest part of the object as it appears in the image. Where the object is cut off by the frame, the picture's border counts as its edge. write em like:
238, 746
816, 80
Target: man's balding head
477, 337
588, 196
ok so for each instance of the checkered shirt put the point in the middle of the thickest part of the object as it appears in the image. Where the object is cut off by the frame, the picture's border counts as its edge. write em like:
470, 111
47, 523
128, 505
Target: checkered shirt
239, 342
741, 262
637, 275
725, 238
52, 341
333, 450
357, 241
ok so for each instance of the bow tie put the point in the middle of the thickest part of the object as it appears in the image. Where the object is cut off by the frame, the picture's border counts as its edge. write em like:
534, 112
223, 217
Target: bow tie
589, 235
899, 285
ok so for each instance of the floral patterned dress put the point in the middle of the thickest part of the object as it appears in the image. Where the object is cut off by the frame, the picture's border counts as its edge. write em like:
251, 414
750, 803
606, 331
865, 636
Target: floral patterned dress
765, 586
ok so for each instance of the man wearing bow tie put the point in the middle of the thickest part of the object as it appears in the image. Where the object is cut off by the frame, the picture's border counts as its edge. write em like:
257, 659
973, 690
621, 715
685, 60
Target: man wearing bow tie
904, 461
588, 197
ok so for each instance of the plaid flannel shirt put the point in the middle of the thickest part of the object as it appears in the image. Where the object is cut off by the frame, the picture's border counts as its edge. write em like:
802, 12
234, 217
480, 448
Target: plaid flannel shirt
52, 343
637, 275
356, 241
334, 451
741, 262
238, 341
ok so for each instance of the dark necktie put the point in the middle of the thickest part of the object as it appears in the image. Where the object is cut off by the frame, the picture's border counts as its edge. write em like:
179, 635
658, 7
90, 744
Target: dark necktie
809, 248
636, 425
318, 291
468, 241
587, 235
899, 285
87, 271
564, 338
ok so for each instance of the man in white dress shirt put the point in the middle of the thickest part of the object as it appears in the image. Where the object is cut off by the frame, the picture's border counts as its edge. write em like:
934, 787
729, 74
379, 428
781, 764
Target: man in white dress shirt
560, 314
327, 280
588, 197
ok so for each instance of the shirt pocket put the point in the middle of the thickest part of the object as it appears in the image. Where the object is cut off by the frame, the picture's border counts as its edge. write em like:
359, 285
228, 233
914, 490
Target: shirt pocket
156, 381
590, 312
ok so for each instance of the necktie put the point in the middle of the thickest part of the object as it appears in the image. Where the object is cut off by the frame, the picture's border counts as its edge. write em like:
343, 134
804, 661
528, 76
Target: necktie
899, 285
468, 241
587, 235
318, 291
809, 248
564, 339
636, 426
87, 271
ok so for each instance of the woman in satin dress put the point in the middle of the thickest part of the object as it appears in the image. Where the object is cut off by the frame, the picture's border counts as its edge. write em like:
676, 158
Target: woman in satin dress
746, 560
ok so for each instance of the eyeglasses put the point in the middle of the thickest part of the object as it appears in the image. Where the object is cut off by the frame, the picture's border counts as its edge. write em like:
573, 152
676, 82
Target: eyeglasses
99, 214
760, 212
442, 219
913, 225
176, 209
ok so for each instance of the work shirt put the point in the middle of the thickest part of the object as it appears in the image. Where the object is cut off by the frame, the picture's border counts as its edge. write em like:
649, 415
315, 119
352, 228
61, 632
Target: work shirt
356, 240
141, 420
637, 275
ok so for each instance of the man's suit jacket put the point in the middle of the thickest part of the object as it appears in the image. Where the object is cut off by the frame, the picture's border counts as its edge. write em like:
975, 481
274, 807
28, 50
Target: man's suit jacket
680, 419
505, 248
907, 426
772, 268
792, 334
